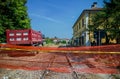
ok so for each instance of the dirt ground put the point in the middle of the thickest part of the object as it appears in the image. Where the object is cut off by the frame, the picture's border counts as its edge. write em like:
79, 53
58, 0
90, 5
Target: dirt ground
19, 64
38, 74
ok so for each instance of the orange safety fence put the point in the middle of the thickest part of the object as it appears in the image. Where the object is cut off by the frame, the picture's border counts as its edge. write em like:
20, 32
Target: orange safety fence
57, 61
88, 64
104, 48
21, 57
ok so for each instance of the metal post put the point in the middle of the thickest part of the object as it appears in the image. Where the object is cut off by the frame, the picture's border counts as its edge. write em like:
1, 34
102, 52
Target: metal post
99, 37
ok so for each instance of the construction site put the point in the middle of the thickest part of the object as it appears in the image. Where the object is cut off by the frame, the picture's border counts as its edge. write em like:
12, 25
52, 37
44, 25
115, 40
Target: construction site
28, 62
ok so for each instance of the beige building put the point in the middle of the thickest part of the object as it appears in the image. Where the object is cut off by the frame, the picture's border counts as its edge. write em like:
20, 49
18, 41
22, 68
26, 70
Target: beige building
81, 35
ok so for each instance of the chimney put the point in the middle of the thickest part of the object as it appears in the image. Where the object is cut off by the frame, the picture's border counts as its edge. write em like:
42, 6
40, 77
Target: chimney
94, 5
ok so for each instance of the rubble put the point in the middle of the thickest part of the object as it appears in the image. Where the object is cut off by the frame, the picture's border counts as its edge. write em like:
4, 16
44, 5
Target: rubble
37, 74
17, 64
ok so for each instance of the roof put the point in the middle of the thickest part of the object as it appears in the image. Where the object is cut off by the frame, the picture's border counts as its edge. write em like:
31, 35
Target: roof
94, 9
85, 10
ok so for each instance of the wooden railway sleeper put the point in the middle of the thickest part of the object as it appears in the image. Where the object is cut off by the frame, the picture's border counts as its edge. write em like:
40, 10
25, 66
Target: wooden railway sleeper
47, 71
74, 74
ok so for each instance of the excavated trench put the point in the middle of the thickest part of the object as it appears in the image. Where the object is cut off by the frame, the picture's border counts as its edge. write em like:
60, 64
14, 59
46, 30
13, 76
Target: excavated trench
22, 64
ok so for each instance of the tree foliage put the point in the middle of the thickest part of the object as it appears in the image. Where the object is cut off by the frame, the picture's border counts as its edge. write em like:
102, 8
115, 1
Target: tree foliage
13, 15
108, 19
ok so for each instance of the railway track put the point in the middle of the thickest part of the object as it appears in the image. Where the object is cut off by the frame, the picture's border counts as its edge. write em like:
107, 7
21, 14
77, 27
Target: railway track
46, 71
74, 73
47, 61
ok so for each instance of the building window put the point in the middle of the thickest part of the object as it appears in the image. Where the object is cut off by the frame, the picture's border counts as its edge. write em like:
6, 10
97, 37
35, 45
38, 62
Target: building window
11, 34
79, 25
82, 22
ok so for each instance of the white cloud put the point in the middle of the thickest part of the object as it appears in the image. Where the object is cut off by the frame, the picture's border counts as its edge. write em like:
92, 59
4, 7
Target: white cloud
45, 17
73, 17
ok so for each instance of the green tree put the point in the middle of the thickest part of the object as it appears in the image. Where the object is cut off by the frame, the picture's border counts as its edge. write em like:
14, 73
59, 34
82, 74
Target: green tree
63, 42
108, 19
13, 15
48, 40
113, 10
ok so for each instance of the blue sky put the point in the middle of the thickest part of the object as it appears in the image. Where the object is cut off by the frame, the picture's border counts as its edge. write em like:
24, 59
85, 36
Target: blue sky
56, 17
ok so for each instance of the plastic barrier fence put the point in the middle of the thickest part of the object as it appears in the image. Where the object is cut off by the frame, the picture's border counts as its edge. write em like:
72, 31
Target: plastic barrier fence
88, 49
66, 59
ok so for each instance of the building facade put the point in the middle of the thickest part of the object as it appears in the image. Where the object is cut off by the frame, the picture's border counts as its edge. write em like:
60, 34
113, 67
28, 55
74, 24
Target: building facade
81, 33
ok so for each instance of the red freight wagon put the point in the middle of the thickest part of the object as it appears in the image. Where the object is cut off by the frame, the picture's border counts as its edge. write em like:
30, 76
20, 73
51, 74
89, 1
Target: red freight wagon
24, 37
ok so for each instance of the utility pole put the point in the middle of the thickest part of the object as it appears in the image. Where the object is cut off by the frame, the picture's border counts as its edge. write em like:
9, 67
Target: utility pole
99, 38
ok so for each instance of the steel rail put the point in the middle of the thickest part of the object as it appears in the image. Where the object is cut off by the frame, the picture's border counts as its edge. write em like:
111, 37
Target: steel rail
74, 73
63, 51
46, 71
